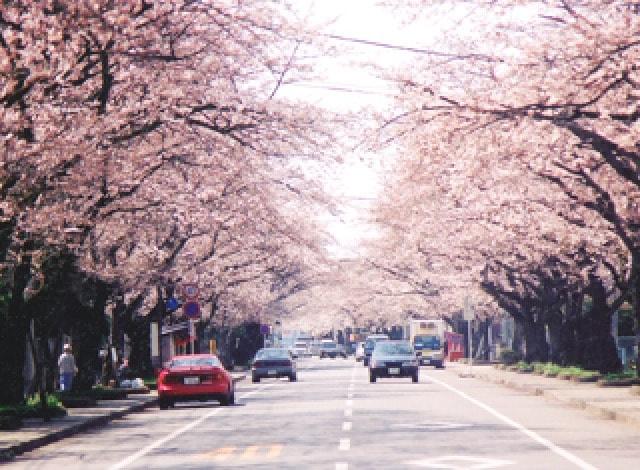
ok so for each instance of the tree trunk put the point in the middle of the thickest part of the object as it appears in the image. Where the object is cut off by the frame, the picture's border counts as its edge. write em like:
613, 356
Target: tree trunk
556, 336
537, 349
14, 325
518, 336
635, 303
599, 349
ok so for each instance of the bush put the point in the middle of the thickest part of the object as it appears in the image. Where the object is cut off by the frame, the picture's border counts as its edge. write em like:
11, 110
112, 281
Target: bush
538, 367
551, 370
522, 366
32, 409
10, 423
509, 357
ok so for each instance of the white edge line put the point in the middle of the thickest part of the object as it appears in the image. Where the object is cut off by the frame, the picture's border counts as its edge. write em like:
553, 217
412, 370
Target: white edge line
531, 434
145, 450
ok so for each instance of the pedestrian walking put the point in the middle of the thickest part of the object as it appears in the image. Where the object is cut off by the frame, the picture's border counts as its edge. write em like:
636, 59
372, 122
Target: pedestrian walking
67, 366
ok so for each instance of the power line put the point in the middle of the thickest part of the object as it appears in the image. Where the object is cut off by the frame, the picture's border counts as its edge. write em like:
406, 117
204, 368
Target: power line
341, 88
415, 50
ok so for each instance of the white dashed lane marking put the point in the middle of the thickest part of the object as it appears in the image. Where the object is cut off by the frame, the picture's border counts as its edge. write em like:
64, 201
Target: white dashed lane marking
345, 443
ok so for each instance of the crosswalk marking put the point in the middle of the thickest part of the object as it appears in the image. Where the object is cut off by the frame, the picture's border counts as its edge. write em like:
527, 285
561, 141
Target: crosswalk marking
268, 451
249, 452
274, 451
219, 455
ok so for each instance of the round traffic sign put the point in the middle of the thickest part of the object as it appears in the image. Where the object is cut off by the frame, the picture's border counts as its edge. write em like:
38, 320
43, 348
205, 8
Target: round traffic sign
191, 310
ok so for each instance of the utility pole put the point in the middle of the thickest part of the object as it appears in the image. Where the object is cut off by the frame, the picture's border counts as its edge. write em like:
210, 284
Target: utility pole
468, 315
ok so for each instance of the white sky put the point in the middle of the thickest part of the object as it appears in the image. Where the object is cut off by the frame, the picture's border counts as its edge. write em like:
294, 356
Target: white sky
358, 181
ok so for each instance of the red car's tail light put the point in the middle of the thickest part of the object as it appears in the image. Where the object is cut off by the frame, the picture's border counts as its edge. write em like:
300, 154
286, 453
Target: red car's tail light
172, 379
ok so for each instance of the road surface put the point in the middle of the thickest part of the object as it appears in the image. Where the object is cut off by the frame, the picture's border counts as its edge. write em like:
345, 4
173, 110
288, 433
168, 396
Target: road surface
333, 418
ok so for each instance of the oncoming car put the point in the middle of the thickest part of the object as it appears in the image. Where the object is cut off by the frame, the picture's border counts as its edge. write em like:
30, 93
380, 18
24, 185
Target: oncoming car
393, 359
370, 343
332, 349
195, 377
273, 363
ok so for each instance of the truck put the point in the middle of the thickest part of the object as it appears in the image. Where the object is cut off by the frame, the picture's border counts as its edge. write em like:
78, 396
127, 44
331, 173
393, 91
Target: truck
427, 338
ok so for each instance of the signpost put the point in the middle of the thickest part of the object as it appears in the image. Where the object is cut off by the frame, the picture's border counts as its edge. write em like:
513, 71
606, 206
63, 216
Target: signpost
190, 291
191, 310
264, 331
468, 315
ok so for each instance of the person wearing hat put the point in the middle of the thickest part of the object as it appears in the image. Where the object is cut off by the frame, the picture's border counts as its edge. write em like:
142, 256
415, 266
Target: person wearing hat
67, 366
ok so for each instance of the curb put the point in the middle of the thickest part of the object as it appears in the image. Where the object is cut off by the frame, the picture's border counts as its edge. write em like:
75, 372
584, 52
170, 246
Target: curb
238, 378
8, 453
548, 393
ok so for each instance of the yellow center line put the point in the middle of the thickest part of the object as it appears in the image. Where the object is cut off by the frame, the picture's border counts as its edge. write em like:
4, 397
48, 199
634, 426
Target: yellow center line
249, 452
223, 453
274, 451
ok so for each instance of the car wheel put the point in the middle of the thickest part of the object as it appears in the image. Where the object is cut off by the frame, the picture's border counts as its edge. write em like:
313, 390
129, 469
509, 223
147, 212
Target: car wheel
293, 378
415, 378
230, 399
372, 377
164, 403
255, 379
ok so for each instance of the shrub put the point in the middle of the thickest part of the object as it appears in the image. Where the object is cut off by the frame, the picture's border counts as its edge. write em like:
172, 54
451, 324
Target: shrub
509, 357
10, 422
538, 367
32, 409
551, 370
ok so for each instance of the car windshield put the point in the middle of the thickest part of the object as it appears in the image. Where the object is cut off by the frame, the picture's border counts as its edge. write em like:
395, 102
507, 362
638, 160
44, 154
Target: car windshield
391, 348
428, 341
195, 362
371, 342
275, 353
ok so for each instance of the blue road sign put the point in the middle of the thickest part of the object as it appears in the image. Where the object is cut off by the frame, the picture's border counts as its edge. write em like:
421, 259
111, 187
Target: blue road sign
171, 304
191, 310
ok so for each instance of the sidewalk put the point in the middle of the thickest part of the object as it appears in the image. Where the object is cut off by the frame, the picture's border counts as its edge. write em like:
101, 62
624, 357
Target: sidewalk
36, 433
615, 403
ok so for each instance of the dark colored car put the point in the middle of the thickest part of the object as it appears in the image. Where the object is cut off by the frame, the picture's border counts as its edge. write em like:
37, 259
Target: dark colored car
393, 359
370, 344
273, 363
332, 349
195, 377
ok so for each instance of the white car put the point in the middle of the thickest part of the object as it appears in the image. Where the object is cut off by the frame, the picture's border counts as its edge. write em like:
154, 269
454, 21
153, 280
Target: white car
360, 351
300, 349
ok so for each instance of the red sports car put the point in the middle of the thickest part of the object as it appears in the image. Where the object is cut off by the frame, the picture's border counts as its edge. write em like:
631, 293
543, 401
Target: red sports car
196, 377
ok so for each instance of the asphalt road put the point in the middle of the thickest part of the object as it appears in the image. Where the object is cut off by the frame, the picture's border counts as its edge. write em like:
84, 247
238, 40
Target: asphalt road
333, 418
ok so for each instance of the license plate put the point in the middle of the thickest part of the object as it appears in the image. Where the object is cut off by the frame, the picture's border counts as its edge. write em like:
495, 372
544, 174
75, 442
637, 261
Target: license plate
272, 372
394, 371
191, 380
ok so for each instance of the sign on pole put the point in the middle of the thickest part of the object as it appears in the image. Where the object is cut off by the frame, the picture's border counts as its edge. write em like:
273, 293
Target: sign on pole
155, 347
191, 310
468, 315
190, 291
